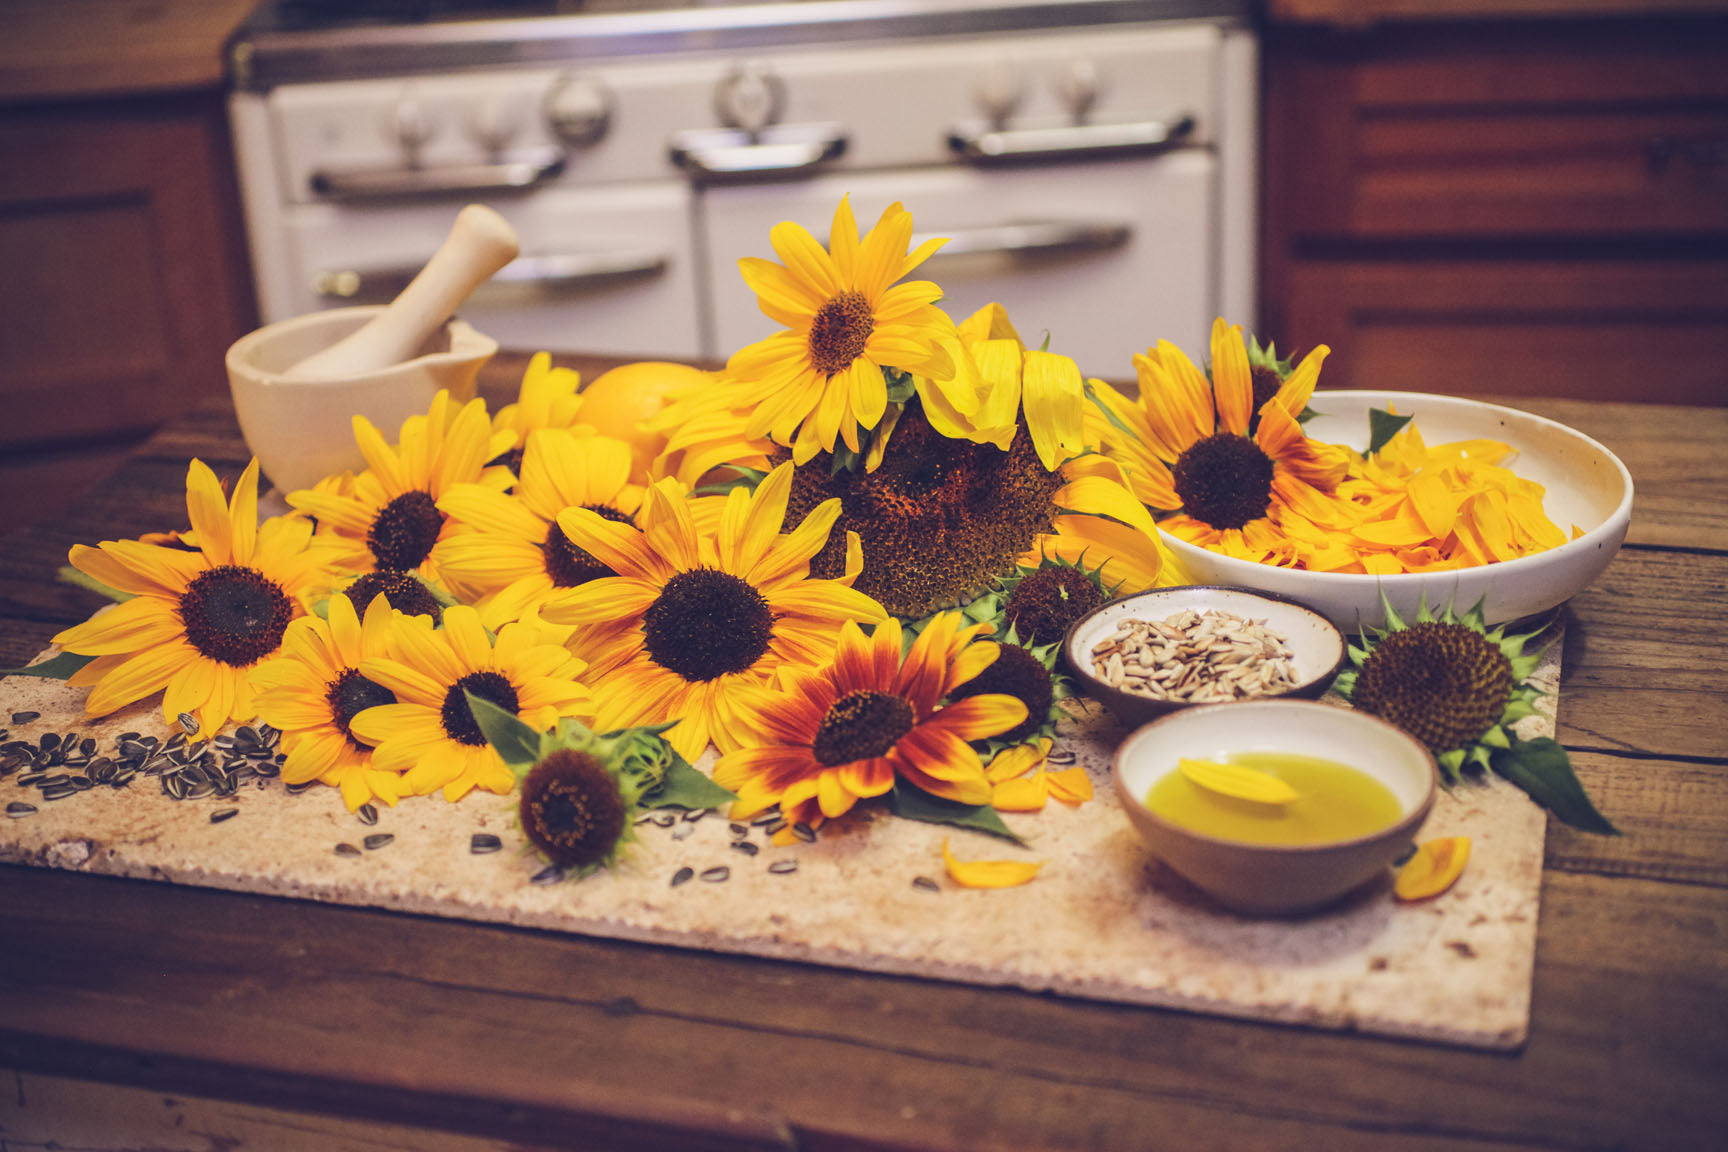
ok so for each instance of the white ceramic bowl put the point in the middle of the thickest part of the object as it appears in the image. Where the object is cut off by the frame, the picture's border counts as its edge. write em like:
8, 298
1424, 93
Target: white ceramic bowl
1586, 485
1275, 879
1316, 646
302, 430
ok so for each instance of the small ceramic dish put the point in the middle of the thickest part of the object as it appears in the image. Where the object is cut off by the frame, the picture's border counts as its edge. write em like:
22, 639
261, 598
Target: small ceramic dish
1316, 647
1276, 879
1585, 485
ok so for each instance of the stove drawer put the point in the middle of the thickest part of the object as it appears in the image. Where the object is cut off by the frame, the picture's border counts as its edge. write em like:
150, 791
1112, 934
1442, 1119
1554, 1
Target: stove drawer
1105, 257
608, 270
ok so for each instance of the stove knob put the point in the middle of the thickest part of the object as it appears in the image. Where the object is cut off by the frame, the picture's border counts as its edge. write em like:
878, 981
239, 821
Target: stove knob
579, 110
750, 97
1077, 87
412, 126
493, 124
998, 90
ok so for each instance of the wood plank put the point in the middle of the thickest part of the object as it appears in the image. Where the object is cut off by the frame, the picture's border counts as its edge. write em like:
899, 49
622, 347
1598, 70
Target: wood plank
57, 49
1673, 816
394, 1007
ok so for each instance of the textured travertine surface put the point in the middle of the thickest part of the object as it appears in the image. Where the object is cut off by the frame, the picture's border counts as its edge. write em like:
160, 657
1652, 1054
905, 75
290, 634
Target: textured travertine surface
1103, 920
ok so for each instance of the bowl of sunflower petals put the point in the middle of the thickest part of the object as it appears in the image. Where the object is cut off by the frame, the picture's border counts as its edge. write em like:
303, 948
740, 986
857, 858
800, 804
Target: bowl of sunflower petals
1409, 500
1155, 652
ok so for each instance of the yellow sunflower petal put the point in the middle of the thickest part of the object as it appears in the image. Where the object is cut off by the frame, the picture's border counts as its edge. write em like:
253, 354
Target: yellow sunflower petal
988, 873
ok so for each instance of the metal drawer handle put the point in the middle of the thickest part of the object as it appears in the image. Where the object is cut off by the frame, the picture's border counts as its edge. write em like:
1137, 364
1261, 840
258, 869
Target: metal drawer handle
781, 150
563, 271
1035, 237
513, 175
985, 145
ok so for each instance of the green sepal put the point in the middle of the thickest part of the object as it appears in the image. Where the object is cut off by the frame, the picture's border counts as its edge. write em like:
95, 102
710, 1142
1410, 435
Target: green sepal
683, 786
1382, 426
912, 803
67, 574
1115, 421
900, 385
1543, 770
60, 666
843, 459
746, 478
518, 745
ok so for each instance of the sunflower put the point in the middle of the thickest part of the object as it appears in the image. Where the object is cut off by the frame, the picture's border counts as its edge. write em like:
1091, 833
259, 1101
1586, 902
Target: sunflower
390, 518
822, 379
692, 615
546, 399
430, 733
197, 621
313, 688
824, 740
940, 519
515, 555
1186, 446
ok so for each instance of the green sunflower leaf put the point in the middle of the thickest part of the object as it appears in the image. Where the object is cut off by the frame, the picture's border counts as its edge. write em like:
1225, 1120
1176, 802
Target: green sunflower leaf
70, 575
1382, 426
912, 803
514, 741
685, 787
58, 667
1541, 768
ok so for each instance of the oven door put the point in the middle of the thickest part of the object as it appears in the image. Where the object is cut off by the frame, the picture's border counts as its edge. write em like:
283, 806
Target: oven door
1105, 257
603, 270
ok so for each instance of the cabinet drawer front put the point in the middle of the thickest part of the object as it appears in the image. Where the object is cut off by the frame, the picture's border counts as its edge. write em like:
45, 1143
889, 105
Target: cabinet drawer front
1591, 132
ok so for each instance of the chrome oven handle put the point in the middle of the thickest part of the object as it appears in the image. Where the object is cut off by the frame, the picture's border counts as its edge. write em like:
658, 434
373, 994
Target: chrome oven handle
511, 175
780, 150
560, 272
985, 145
1035, 237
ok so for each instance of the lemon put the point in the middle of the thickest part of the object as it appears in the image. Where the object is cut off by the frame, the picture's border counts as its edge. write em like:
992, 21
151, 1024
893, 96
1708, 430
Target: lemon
617, 403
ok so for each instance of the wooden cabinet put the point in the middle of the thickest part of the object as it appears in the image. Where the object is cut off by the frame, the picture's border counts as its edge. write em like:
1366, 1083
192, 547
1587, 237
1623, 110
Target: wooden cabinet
1534, 207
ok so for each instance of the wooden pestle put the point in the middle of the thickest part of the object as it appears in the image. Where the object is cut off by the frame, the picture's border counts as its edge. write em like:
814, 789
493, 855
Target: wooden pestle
480, 243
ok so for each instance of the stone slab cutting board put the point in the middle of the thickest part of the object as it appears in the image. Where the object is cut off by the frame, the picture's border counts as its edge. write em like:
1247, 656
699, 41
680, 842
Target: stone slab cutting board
1102, 921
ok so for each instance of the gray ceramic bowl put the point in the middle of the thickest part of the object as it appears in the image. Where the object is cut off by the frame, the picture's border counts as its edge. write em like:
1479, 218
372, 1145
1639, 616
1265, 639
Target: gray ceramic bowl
1275, 879
1317, 647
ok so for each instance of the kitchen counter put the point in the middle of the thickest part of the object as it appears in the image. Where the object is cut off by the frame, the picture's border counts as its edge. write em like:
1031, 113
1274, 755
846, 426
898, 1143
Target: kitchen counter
244, 1015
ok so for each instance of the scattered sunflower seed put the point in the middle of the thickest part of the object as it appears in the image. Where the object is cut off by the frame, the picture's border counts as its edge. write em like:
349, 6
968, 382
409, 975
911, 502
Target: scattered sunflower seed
716, 875
18, 809
346, 849
804, 832
483, 842
367, 814
925, 883
58, 791
1061, 756
762, 818
695, 814
783, 867
739, 831
550, 874
664, 820
775, 826
24, 717
223, 814
377, 840
746, 847
682, 875
188, 723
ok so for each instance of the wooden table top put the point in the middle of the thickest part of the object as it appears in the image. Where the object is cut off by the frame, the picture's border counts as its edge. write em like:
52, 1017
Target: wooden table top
547, 1040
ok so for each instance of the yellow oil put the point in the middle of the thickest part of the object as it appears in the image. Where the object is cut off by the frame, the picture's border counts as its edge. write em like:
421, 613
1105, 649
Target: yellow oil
1335, 802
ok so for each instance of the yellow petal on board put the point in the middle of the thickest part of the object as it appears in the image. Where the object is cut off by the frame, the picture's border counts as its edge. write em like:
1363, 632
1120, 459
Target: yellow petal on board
1237, 782
988, 873
1071, 785
1435, 868
1027, 794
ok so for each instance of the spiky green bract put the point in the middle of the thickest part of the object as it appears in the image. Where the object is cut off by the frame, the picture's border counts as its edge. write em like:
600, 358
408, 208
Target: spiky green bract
1262, 360
1540, 767
649, 772
1011, 612
1061, 688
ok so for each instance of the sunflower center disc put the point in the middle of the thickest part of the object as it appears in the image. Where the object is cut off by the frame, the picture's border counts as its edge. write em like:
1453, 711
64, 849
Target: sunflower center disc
404, 531
840, 332
571, 808
401, 590
569, 564
458, 718
1445, 684
706, 624
1016, 672
351, 694
1224, 480
861, 725
1044, 603
234, 615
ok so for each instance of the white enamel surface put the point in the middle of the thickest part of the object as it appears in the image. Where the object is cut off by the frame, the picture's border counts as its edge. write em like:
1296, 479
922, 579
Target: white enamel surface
1298, 727
1315, 645
1586, 485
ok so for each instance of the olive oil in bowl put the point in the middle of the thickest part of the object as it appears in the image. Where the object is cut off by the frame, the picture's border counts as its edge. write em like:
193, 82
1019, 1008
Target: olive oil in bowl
1334, 803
